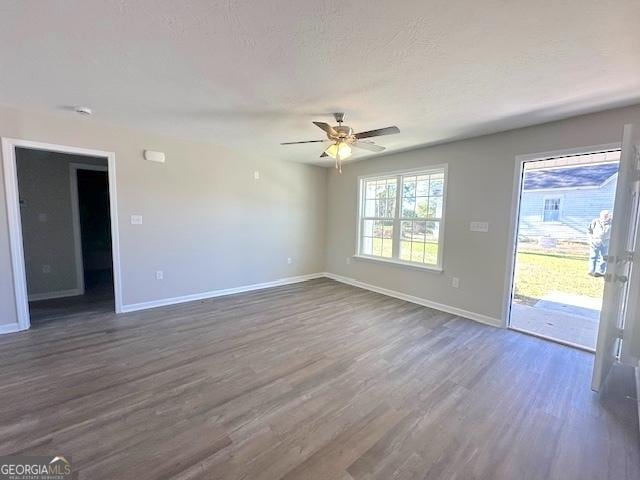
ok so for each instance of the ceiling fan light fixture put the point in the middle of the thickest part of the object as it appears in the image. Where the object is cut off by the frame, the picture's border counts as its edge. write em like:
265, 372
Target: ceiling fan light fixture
342, 138
332, 151
339, 149
344, 150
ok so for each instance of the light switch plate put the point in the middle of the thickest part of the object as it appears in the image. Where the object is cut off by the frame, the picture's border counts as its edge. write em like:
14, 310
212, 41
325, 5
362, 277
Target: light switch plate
136, 219
479, 226
256, 175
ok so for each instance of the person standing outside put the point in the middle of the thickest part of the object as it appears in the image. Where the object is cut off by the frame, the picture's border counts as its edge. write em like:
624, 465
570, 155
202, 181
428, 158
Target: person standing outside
599, 235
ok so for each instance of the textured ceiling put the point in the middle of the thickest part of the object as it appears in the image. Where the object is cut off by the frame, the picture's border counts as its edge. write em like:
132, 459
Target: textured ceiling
250, 74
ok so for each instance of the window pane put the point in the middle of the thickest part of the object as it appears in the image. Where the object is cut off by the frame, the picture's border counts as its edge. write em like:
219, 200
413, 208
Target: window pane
370, 190
421, 207
391, 188
367, 228
387, 248
409, 187
370, 208
386, 208
422, 188
367, 246
431, 253
387, 229
435, 207
432, 231
419, 231
417, 252
405, 251
437, 185
377, 247
381, 189
408, 207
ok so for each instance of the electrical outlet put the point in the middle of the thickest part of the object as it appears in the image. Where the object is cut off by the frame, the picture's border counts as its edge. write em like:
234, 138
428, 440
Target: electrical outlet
455, 282
159, 275
136, 219
46, 268
289, 260
348, 260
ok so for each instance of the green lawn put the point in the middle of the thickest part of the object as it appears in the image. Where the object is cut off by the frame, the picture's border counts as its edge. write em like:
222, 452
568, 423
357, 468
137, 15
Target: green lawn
538, 274
430, 250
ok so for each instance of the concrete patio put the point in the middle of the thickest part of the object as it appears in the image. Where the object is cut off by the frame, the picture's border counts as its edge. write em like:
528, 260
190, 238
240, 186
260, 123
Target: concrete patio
565, 317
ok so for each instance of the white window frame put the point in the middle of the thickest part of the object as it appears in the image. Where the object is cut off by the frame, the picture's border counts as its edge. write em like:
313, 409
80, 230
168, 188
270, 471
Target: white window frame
395, 257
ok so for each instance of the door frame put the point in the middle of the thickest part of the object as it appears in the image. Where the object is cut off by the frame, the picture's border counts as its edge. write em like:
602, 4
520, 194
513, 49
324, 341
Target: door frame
15, 225
75, 216
512, 245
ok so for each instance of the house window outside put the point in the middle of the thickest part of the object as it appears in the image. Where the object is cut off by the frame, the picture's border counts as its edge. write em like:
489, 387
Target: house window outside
401, 217
551, 210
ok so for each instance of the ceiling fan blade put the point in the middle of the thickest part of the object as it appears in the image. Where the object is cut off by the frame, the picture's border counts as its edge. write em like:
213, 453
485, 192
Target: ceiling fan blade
372, 147
378, 132
326, 127
307, 141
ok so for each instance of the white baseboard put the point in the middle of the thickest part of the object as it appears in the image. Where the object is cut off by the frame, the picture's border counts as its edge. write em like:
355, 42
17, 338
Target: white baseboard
34, 297
494, 322
10, 328
218, 293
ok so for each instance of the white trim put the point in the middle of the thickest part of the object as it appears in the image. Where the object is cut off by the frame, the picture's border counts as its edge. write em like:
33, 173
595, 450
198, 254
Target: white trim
74, 292
10, 328
556, 340
75, 216
15, 227
520, 160
478, 317
569, 152
133, 307
400, 174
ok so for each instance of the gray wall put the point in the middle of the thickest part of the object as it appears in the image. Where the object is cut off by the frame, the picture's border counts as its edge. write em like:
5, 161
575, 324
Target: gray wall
481, 179
209, 225
206, 222
45, 189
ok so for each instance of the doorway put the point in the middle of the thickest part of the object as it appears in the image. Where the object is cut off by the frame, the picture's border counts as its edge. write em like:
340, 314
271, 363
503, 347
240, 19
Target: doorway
562, 235
63, 230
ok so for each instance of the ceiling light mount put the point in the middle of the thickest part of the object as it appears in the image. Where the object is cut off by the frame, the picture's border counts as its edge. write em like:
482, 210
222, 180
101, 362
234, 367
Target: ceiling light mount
83, 110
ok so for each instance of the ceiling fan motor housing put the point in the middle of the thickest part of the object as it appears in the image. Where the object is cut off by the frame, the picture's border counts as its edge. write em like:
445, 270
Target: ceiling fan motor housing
343, 131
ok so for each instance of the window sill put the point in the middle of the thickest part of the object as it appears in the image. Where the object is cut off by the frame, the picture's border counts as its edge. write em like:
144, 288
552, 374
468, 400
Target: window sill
399, 263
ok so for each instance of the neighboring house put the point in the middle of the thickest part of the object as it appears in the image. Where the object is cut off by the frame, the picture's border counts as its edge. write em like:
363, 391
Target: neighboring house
560, 202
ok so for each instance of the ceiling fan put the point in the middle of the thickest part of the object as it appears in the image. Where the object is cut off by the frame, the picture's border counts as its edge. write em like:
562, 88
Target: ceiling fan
342, 139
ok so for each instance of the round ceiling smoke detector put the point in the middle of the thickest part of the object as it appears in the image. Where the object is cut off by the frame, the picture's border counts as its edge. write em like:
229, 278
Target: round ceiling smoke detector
83, 110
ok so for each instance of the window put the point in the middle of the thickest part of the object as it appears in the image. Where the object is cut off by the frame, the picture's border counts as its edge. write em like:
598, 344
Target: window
551, 210
401, 217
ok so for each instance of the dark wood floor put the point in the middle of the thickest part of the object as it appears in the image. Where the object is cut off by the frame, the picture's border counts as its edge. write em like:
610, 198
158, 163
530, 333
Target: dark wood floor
310, 381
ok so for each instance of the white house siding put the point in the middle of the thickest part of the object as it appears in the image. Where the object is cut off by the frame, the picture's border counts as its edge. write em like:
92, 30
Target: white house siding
578, 207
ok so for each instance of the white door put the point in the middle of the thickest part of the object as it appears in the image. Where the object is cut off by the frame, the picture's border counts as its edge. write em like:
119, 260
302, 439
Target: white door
615, 314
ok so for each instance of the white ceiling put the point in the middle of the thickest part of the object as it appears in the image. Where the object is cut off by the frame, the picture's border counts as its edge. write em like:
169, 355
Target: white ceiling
250, 74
